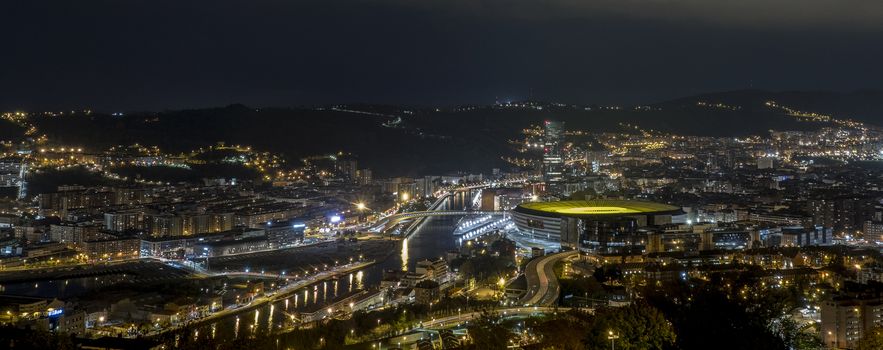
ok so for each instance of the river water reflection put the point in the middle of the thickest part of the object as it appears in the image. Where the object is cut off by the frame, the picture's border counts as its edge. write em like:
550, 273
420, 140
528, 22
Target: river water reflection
431, 241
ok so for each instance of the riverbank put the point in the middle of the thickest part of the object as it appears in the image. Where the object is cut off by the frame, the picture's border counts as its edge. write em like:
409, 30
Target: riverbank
269, 297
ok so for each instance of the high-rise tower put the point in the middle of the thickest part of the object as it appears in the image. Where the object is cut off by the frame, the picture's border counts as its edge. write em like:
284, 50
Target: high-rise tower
553, 157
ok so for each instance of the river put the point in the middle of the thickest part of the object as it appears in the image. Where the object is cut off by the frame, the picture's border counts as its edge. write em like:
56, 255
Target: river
431, 241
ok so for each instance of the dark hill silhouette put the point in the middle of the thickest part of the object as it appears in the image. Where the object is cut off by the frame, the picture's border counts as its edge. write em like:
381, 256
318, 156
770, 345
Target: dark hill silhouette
863, 105
430, 141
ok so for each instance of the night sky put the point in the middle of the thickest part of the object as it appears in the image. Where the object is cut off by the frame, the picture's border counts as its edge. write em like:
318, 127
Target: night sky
155, 55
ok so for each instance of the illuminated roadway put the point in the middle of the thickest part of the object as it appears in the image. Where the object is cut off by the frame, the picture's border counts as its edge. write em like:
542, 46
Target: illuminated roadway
269, 297
453, 320
392, 220
480, 185
542, 285
384, 224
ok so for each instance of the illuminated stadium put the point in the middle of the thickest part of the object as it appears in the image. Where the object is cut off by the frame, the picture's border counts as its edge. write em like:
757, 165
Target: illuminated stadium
596, 225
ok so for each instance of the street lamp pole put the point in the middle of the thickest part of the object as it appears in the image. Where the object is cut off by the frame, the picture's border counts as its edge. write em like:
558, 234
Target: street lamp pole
612, 336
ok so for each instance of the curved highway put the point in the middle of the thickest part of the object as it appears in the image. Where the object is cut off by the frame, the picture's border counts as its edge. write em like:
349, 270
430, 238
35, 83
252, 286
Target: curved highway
542, 284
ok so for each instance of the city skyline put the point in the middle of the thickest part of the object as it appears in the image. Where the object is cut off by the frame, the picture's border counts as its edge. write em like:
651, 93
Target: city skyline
441, 175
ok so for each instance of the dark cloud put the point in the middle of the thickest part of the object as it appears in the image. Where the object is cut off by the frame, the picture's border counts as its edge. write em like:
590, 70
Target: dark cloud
138, 54
783, 14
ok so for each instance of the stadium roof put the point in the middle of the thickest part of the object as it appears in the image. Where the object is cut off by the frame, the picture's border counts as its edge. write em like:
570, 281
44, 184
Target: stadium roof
601, 207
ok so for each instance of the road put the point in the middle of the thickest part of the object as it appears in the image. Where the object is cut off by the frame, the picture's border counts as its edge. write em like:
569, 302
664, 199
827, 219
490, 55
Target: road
542, 285
384, 224
273, 296
453, 320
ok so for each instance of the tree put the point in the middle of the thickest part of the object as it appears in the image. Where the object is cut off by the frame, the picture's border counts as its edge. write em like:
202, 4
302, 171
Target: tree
11, 337
714, 320
561, 333
638, 326
871, 340
487, 333
796, 336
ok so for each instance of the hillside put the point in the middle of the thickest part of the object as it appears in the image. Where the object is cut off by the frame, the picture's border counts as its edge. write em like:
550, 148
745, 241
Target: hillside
398, 141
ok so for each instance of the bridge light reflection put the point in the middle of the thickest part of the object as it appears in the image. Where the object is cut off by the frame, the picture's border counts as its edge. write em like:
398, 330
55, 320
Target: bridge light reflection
405, 254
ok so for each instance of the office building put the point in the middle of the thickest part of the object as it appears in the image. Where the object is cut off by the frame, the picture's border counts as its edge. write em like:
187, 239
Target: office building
553, 155
845, 319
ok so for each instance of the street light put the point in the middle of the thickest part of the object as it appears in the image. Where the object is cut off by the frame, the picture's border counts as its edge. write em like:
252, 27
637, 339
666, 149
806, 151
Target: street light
612, 336
502, 284
360, 206
405, 197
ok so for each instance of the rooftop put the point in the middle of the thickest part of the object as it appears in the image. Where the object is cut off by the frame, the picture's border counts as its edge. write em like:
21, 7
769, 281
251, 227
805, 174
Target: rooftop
600, 207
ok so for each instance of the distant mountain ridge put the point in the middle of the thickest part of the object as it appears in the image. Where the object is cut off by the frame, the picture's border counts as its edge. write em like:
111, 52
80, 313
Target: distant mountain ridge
396, 140
862, 105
